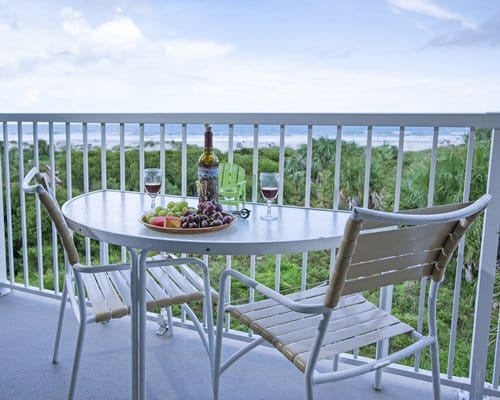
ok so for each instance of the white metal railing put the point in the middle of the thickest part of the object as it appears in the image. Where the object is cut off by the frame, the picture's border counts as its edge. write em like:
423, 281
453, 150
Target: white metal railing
76, 130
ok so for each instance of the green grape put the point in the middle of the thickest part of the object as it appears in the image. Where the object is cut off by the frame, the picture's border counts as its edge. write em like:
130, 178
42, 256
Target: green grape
176, 208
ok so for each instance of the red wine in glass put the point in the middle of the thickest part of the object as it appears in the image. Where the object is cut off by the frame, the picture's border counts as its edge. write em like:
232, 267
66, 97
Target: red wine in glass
269, 193
152, 183
152, 188
269, 186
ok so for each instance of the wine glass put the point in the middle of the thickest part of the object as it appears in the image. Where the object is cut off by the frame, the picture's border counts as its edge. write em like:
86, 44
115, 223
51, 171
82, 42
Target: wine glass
152, 183
269, 186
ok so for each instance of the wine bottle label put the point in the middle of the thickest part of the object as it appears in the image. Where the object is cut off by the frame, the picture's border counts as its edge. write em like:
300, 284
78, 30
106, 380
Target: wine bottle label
208, 184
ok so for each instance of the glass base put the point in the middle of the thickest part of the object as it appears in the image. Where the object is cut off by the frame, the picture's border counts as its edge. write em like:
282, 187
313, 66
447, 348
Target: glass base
268, 217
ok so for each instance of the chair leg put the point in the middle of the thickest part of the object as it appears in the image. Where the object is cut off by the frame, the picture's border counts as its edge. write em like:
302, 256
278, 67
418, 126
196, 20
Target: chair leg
434, 350
217, 351
335, 363
381, 351
165, 326
216, 367
436, 387
76, 361
62, 308
170, 322
309, 388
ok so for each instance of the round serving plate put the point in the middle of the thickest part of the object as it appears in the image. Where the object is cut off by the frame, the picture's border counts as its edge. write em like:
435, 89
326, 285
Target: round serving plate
184, 231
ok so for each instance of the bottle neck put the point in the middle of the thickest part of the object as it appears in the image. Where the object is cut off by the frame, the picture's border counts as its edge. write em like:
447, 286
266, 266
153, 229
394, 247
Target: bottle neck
208, 140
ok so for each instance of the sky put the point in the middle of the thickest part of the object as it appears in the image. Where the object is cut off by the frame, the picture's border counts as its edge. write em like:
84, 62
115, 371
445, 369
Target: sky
250, 56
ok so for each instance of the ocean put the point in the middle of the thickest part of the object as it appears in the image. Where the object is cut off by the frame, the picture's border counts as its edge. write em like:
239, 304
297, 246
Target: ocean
415, 138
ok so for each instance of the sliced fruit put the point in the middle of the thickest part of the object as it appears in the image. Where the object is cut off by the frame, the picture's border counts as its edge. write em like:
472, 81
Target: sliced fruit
173, 222
159, 220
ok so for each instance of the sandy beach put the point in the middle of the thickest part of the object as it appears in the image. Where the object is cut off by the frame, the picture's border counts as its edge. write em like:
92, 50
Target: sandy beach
152, 142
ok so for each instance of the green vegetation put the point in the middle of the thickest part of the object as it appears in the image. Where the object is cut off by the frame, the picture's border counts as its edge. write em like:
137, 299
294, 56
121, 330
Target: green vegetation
449, 188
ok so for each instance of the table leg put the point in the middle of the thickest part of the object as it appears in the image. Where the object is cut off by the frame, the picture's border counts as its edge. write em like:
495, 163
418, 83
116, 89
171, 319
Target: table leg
141, 303
134, 260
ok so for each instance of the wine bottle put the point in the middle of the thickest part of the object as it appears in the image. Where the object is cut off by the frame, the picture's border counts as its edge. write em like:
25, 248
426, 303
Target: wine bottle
208, 171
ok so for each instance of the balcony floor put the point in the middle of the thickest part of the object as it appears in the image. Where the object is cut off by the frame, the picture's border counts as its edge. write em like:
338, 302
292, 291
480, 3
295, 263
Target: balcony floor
177, 367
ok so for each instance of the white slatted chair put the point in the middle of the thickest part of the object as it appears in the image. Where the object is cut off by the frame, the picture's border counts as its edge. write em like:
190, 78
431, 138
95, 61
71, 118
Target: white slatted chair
168, 282
321, 323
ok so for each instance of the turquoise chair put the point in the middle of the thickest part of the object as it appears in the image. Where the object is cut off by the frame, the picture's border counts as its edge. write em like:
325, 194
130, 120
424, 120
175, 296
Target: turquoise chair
232, 184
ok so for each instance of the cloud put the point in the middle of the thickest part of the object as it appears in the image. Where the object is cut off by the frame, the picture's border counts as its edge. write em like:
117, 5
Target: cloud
488, 33
31, 96
21, 49
184, 50
259, 84
430, 9
74, 40
7, 17
72, 47
113, 39
121, 38
63, 61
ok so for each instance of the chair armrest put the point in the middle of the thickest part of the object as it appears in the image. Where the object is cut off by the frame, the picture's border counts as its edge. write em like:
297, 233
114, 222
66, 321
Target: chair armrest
92, 269
177, 261
27, 188
272, 294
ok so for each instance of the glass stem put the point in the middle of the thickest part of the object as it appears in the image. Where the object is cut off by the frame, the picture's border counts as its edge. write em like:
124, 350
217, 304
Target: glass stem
152, 203
268, 208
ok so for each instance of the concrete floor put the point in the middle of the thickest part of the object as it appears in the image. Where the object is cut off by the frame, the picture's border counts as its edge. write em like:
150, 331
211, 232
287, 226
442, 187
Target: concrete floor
177, 367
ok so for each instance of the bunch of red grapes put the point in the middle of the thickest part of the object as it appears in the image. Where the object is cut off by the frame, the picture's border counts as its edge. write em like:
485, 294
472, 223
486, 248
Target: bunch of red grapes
207, 215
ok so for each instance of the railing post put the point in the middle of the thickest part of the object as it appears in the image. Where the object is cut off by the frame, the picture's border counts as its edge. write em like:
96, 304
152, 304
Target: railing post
3, 258
486, 278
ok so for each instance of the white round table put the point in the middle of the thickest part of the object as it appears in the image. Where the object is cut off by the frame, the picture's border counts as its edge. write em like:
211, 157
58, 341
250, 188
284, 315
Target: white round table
113, 217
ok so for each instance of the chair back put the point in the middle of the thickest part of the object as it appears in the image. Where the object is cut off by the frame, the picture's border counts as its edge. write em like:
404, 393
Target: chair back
230, 175
397, 247
54, 211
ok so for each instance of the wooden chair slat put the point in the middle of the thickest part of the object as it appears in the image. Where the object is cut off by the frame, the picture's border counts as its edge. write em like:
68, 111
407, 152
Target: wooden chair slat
336, 336
337, 314
277, 321
378, 266
99, 305
262, 313
374, 224
119, 279
389, 278
332, 350
415, 239
307, 332
297, 296
156, 292
166, 282
180, 280
113, 299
